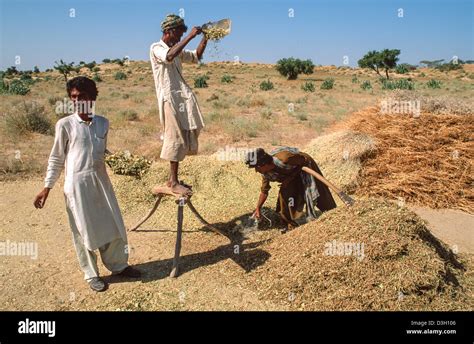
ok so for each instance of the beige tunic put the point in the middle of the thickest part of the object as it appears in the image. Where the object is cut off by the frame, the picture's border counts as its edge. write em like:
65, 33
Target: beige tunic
80, 148
171, 86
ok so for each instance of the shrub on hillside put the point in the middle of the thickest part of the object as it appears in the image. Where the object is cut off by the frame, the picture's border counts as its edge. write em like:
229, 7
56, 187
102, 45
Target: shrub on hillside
266, 85
28, 117
291, 67
327, 84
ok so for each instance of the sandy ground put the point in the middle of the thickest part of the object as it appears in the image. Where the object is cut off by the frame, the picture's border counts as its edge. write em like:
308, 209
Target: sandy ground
213, 276
454, 227
54, 281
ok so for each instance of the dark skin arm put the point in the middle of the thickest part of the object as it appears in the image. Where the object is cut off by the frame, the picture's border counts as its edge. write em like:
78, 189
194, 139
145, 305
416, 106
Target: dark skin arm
201, 47
261, 200
40, 199
176, 49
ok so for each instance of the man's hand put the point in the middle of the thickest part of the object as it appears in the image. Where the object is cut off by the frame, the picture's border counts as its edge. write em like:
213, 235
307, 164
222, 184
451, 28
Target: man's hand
176, 49
261, 200
257, 214
40, 199
196, 30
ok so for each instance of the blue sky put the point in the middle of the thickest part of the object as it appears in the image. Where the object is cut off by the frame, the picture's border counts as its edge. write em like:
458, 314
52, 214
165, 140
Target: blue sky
41, 32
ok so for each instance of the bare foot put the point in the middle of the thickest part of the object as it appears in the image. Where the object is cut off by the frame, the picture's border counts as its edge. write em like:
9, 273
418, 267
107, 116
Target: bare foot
180, 189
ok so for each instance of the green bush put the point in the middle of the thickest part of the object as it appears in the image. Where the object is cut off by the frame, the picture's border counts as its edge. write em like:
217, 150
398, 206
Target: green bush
308, 87
291, 67
18, 87
266, 85
227, 79
388, 84
366, 85
11, 71
26, 77
120, 76
327, 84
401, 84
3, 86
106, 60
28, 117
446, 67
433, 83
401, 69
97, 78
404, 68
120, 62
90, 65
405, 84
355, 80
201, 81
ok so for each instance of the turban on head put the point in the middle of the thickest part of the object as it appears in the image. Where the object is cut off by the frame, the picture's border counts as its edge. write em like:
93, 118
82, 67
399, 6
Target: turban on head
172, 21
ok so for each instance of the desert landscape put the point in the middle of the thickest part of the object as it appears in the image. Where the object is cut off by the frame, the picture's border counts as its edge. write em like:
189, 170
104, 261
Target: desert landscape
408, 168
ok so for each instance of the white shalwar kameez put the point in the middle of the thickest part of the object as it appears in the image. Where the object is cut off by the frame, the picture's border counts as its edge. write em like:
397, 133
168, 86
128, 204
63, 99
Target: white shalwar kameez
93, 210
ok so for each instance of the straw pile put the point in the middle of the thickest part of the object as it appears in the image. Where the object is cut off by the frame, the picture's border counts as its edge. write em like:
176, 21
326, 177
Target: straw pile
340, 156
403, 267
439, 105
425, 160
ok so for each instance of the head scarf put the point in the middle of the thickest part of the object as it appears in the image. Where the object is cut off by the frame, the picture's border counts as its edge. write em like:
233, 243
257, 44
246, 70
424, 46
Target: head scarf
172, 21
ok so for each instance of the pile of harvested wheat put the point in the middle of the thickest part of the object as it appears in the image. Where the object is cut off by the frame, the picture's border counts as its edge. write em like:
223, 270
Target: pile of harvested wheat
373, 256
340, 156
127, 164
425, 160
224, 191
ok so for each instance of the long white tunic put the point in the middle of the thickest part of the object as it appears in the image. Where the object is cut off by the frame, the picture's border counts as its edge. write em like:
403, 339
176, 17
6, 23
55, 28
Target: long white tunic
80, 146
171, 86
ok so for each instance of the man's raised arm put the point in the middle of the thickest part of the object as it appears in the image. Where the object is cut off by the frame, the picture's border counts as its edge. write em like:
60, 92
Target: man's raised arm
176, 49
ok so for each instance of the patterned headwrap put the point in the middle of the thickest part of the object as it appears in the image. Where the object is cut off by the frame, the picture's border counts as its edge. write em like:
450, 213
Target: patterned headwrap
172, 21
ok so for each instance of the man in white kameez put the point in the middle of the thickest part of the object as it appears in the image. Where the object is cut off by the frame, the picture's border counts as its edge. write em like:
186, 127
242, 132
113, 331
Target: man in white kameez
180, 115
93, 211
